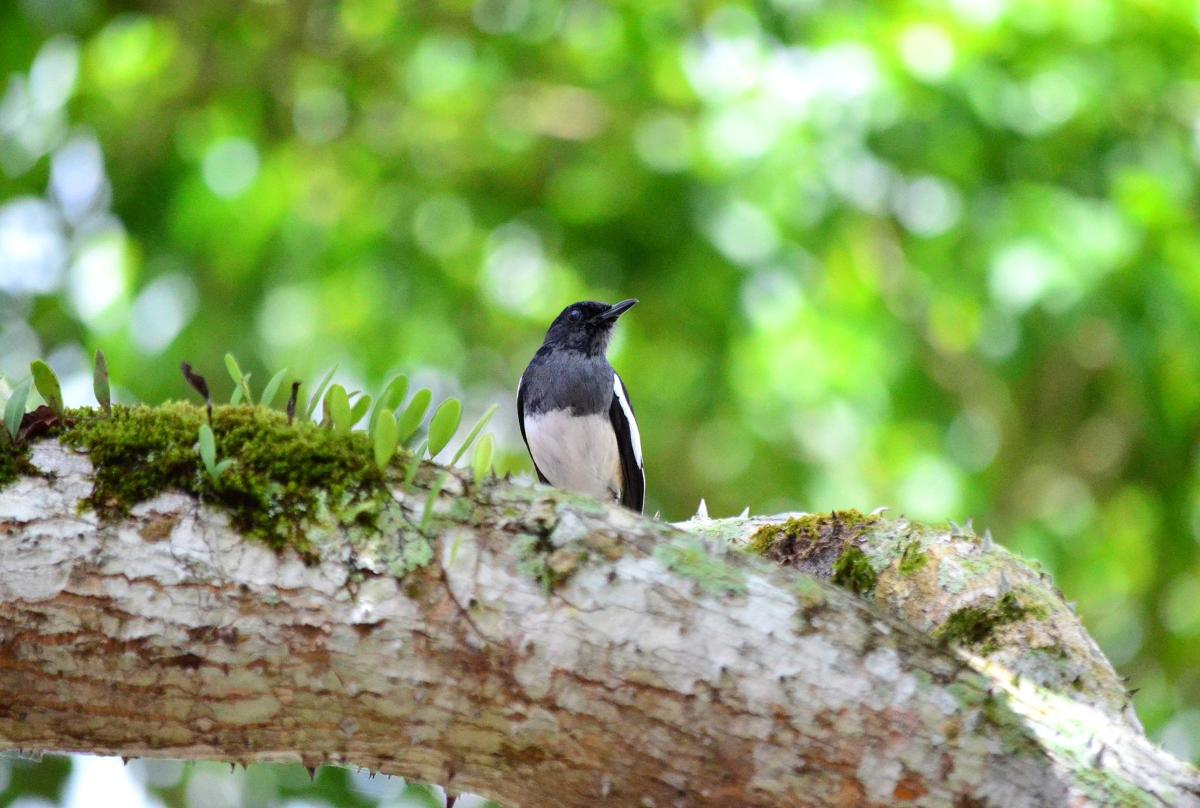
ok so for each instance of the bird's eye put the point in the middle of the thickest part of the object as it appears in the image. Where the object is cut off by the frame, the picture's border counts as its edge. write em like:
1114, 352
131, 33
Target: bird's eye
575, 314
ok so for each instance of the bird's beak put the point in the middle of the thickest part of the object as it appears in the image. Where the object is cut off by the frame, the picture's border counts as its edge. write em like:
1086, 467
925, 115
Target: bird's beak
617, 309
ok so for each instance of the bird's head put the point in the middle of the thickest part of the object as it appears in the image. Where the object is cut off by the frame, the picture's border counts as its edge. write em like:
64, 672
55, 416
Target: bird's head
586, 326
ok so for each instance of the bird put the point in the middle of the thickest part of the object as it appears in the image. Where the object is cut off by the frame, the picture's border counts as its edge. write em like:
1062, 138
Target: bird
574, 411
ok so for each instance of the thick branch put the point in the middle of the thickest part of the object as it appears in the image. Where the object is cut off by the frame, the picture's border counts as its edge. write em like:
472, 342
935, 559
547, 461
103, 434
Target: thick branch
658, 669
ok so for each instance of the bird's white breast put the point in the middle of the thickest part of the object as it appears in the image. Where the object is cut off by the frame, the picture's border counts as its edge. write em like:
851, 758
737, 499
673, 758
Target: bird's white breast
576, 452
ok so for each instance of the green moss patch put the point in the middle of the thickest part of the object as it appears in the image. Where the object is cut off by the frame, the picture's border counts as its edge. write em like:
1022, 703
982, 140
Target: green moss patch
854, 572
286, 482
538, 558
975, 625
812, 543
689, 558
912, 558
14, 460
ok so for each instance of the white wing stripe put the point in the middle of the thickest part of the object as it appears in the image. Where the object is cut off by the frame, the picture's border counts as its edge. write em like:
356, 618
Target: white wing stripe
634, 435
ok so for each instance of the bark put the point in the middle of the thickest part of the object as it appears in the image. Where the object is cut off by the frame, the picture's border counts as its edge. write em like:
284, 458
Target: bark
555, 652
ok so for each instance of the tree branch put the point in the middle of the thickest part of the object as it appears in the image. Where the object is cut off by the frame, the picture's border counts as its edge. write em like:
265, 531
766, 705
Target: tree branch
555, 652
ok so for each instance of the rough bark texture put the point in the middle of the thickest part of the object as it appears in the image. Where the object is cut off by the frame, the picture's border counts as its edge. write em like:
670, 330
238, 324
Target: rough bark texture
554, 652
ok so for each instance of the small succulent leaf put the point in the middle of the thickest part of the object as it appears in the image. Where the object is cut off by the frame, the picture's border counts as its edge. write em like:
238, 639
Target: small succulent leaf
443, 425
391, 398
235, 371
361, 405
247, 391
319, 395
220, 468
14, 410
272, 388
481, 461
385, 439
410, 420
208, 447
337, 405
236, 397
47, 386
410, 473
100, 384
431, 501
474, 433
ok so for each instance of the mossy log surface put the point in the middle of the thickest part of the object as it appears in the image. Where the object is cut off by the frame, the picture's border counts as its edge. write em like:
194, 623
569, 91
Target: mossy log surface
950, 583
529, 645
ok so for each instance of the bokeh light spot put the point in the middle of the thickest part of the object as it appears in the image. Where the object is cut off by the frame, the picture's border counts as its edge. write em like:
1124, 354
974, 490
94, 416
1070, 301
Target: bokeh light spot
77, 180
33, 248
442, 225
230, 167
743, 233
928, 206
515, 273
932, 489
320, 114
662, 142
98, 277
927, 51
160, 312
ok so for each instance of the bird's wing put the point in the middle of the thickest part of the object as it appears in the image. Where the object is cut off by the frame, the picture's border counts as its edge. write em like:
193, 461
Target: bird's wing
629, 446
521, 421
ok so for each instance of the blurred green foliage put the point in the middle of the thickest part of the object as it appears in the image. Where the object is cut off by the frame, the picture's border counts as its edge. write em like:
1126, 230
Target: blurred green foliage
939, 256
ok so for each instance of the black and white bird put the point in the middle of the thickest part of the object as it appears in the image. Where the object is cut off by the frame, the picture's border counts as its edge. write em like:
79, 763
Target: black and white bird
575, 414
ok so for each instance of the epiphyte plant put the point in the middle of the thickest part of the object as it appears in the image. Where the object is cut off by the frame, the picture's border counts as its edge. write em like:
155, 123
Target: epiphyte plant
207, 447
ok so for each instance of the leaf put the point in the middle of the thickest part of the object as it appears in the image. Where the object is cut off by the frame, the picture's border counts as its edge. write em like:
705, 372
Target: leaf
199, 384
414, 464
319, 395
475, 430
359, 410
481, 461
208, 447
272, 388
240, 380
443, 425
337, 406
235, 372
431, 501
14, 411
100, 384
391, 398
410, 420
291, 405
236, 397
195, 380
385, 439
221, 467
47, 386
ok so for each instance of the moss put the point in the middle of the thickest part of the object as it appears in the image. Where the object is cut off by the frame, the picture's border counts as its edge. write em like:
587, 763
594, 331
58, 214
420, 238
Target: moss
975, 625
534, 555
853, 571
287, 485
14, 460
912, 558
1106, 787
807, 591
808, 528
689, 558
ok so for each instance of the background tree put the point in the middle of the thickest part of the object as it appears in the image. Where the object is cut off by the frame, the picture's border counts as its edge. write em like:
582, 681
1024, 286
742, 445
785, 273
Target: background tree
940, 258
